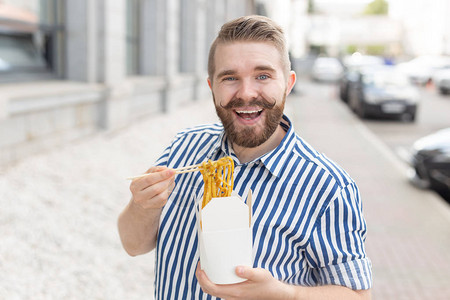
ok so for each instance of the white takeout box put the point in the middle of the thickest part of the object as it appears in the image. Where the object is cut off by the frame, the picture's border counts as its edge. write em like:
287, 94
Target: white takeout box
225, 237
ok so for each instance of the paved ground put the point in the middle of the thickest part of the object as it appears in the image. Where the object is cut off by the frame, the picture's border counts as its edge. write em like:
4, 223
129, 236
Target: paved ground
409, 229
59, 209
58, 214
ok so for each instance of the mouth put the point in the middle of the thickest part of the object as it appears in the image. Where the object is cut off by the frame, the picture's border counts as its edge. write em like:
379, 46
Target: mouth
249, 115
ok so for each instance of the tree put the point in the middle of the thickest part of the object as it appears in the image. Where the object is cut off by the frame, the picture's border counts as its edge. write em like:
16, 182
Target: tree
377, 7
311, 7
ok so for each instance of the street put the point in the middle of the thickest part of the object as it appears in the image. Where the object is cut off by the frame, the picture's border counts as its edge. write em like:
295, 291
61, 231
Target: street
408, 229
433, 114
398, 136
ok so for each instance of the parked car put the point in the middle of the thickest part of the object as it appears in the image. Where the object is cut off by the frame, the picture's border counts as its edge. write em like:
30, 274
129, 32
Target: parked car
441, 80
421, 69
383, 92
430, 163
327, 69
352, 65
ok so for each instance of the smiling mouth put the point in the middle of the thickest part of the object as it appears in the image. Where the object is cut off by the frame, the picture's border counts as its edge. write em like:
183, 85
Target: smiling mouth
249, 114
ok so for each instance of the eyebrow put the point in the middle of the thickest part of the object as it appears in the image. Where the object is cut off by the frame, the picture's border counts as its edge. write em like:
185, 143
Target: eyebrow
257, 68
226, 73
265, 68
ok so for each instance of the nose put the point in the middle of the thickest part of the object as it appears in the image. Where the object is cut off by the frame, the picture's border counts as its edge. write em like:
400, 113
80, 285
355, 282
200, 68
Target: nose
247, 90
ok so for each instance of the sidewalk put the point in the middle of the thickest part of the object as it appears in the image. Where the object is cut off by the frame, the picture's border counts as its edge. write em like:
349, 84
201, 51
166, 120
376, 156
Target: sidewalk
408, 229
58, 214
59, 209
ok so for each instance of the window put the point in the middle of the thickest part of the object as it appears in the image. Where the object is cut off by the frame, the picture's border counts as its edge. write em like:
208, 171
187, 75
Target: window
132, 36
31, 40
187, 37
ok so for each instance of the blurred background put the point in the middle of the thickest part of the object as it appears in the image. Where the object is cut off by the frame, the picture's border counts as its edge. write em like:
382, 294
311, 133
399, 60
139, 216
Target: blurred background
92, 91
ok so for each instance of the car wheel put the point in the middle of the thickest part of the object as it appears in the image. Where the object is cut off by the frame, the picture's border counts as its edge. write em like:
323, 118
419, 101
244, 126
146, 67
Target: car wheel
418, 180
351, 100
343, 93
423, 177
440, 188
361, 111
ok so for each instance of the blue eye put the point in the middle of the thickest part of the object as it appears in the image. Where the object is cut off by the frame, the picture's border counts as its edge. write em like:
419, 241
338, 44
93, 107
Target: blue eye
262, 77
229, 79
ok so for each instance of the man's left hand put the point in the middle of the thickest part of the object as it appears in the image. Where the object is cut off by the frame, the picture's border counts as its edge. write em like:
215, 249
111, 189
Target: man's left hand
260, 285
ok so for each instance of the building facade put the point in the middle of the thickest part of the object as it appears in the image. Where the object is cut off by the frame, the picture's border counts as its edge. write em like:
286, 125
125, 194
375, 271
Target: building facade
426, 26
69, 69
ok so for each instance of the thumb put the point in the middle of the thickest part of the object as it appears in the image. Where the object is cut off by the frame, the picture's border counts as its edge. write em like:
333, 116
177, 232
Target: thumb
254, 274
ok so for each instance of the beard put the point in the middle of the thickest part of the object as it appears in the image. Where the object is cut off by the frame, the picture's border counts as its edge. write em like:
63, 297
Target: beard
249, 137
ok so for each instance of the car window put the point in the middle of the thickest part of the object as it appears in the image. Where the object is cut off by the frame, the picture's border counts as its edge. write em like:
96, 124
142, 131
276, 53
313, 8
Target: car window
382, 79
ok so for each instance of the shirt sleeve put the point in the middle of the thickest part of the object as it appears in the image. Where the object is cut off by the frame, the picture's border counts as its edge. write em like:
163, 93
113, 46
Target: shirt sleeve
336, 248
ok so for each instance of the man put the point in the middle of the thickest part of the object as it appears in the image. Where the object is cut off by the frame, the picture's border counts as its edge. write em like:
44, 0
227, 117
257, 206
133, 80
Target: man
308, 227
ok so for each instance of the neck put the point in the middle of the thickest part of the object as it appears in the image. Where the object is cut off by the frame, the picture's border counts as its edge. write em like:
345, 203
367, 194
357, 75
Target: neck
246, 155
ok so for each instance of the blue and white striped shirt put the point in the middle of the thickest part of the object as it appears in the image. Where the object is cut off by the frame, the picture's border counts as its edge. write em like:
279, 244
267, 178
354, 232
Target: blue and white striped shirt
308, 225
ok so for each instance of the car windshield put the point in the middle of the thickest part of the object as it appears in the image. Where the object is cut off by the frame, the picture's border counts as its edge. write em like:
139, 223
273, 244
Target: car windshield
383, 79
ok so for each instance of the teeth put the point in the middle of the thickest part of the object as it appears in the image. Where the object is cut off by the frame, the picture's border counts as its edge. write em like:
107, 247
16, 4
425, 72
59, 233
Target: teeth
248, 111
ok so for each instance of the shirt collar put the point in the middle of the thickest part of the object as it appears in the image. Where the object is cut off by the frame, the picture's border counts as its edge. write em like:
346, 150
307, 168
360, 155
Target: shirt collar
278, 157
274, 160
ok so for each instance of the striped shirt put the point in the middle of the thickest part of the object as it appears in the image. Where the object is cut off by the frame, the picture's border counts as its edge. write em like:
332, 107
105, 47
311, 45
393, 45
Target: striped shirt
308, 225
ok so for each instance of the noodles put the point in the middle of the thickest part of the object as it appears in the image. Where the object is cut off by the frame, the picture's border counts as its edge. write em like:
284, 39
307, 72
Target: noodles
218, 178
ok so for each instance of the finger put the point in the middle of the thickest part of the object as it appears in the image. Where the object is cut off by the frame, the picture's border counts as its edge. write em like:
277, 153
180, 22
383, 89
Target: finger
151, 170
252, 274
154, 196
242, 272
206, 284
203, 280
224, 291
201, 275
171, 185
164, 186
157, 175
155, 169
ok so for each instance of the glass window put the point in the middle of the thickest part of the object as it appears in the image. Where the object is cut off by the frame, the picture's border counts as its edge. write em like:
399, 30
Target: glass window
31, 39
187, 37
386, 79
132, 36
18, 52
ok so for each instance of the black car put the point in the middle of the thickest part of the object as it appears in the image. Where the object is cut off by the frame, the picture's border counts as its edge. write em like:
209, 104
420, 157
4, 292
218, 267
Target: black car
352, 65
441, 80
430, 163
383, 92
350, 77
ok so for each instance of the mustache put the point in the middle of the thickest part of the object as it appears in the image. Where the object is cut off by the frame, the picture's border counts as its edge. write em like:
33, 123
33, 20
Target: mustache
238, 102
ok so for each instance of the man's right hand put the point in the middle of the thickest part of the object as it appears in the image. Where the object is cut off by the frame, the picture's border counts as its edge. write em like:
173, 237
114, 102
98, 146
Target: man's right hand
153, 190
138, 223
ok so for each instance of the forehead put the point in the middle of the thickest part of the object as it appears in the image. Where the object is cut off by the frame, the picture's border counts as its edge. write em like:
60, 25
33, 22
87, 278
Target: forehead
246, 57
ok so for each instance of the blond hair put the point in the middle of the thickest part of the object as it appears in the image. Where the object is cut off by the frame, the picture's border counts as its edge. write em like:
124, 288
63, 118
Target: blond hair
251, 29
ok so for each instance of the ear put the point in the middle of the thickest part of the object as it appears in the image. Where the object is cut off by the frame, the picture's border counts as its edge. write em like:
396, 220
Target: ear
292, 78
209, 83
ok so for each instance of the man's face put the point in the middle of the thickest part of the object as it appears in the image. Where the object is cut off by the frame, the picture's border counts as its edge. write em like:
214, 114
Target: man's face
249, 90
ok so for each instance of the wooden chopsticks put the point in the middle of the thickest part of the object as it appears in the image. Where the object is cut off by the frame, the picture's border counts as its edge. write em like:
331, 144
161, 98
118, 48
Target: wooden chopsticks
181, 170
187, 169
